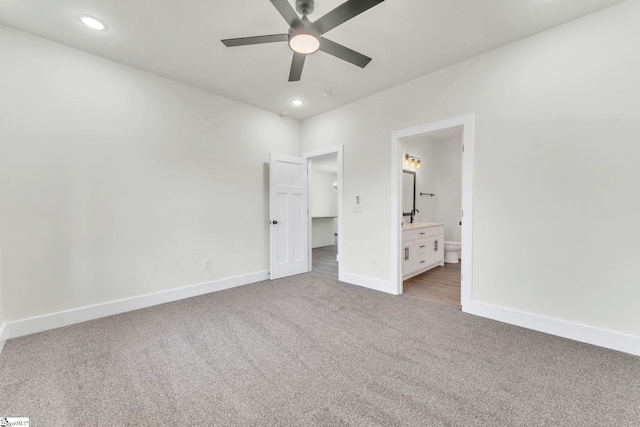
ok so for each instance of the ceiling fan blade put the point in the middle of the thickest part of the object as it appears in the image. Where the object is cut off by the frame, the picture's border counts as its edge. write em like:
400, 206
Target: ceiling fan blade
244, 41
342, 14
344, 53
287, 13
296, 66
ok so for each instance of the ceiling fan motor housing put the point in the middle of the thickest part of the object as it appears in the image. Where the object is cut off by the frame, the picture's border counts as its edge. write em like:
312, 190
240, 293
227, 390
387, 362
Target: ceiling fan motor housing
304, 7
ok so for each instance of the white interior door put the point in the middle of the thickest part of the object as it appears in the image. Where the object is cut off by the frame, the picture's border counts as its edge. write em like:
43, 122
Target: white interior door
288, 210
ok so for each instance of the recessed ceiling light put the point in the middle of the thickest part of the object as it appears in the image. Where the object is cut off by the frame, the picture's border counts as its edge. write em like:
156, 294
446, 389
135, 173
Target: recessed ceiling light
327, 94
92, 22
297, 102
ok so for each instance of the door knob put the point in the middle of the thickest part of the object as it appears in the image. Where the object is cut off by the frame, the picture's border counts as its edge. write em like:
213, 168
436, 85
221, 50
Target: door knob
274, 222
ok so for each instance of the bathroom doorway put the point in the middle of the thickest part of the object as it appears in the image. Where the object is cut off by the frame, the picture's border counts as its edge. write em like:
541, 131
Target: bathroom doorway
325, 203
432, 204
435, 160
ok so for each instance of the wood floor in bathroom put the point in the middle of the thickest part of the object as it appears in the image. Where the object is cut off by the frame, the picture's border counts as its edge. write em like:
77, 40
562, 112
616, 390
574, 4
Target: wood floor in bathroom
324, 261
440, 285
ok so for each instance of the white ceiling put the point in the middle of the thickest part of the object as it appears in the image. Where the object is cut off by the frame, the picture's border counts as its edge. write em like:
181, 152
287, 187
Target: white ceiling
181, 40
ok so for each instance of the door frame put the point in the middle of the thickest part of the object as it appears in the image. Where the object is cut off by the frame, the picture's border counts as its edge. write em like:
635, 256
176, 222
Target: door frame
468, 135
337, 149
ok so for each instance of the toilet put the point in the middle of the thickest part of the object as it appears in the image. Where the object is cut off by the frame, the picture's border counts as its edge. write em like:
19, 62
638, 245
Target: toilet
452, 252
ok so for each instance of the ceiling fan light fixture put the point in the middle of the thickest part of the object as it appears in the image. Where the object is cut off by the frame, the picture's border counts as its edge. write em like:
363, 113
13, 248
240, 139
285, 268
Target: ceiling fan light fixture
305, 37
304, 40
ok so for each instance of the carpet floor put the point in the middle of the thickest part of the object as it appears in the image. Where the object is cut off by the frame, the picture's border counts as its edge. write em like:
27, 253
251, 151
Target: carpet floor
309, 350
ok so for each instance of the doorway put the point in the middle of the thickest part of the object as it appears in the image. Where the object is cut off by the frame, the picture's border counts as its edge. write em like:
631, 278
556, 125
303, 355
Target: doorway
325, 205
464, 125
434, 195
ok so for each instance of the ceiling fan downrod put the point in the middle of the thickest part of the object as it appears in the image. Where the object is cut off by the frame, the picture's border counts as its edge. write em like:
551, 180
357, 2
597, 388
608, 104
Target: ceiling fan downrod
304, 7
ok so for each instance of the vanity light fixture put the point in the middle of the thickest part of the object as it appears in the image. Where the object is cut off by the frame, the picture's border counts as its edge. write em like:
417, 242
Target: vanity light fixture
92, 22
412, 162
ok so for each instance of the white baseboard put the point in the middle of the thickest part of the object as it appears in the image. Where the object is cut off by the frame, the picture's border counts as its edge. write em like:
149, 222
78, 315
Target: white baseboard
600, 337
3, 338
56, 320
368, 282
574, 331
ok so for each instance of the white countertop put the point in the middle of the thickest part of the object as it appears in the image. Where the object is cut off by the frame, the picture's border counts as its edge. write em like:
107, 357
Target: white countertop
407, 226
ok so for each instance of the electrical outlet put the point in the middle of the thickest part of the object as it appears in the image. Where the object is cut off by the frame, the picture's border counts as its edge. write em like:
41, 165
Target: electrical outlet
375, 261
357, 209
207, 264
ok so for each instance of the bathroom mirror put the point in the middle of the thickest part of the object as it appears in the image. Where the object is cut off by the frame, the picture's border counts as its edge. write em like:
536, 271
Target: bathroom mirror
408, 192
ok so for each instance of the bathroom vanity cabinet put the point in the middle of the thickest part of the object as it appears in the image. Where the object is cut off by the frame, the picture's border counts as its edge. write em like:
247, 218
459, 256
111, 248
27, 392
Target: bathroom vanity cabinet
422, 248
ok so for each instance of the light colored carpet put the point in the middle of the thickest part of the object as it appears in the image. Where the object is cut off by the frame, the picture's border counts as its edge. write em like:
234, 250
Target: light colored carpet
308, 350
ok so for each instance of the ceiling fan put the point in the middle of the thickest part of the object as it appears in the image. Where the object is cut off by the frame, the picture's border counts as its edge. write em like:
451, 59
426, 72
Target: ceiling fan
305, 37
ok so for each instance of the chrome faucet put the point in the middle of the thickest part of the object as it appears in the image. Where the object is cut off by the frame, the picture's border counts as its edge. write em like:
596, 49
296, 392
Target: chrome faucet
413, 213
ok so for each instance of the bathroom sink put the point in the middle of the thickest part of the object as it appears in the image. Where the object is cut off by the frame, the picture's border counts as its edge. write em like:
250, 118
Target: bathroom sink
415, 225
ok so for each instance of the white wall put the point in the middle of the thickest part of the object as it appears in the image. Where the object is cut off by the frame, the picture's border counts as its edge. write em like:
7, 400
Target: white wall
324, 198
441, 174
115, 182
555, 169
2, 327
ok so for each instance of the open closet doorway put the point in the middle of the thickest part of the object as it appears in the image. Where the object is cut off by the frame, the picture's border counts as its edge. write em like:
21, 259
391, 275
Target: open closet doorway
325, 205
443, 207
